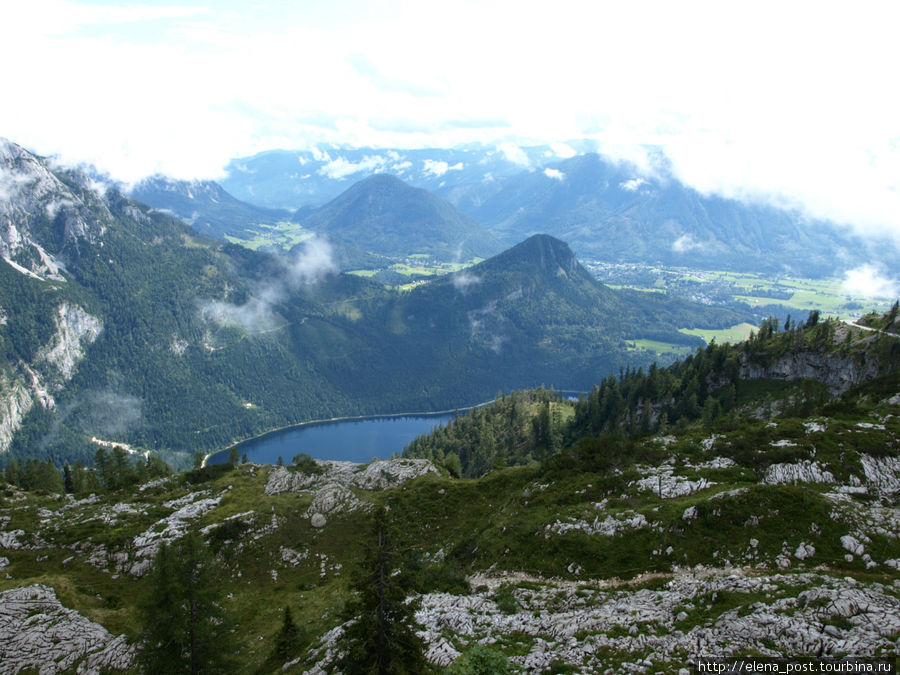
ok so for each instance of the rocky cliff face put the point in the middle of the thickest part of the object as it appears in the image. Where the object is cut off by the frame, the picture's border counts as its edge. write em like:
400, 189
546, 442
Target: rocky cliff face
836, 372
75, 329
42, 219
15, 401
25, 384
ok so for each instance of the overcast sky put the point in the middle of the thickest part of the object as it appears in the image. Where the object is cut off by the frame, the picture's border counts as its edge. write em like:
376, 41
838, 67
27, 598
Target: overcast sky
790, 102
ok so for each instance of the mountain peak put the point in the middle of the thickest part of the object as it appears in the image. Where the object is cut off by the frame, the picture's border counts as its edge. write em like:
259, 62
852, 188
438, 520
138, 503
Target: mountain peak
387, 216
384, 179
542, 253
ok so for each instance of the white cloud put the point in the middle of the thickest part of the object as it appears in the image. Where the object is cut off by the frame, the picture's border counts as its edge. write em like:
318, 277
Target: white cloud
341, 168
633, 184
563, 150
320, 155
54, 206
309, 265
555, 174
870, 282
436, 168
11, 182
685, 243
514, 154
462, 281
254, 316
433, 168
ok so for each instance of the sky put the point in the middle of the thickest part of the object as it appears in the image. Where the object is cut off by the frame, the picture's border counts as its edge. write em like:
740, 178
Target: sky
791, 103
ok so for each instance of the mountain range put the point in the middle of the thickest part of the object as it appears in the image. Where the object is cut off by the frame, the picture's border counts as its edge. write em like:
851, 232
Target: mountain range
122, 323
294, 178
607, 210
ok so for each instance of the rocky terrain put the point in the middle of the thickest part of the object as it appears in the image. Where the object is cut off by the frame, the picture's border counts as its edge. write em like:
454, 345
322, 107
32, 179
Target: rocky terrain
37, 632
828, 585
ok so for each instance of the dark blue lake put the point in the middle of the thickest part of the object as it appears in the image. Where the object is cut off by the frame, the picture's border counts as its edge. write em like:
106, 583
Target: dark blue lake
348, 440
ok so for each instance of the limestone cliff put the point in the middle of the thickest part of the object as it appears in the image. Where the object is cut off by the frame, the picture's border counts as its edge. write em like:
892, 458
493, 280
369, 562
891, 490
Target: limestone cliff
835, 371
24, 384
43, 219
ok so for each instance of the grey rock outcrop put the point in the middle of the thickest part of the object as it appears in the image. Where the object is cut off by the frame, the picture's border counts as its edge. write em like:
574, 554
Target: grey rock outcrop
30, 193
333, 498
569, 623
838, 373
882, 473
74, 328
170, 528
805, 471
15, 402
608, 527
37, 632
380, 474
54, 365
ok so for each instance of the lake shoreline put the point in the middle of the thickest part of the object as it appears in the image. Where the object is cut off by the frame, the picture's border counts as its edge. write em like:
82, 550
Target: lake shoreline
347, 418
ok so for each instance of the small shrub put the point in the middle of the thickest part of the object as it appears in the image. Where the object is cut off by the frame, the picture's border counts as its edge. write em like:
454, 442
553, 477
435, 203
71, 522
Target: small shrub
306, 465
443, 577
207, 473
505, 600
481, 660
230, 530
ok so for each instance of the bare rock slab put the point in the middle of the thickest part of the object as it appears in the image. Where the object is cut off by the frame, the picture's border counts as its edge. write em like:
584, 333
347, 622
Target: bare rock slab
37, 632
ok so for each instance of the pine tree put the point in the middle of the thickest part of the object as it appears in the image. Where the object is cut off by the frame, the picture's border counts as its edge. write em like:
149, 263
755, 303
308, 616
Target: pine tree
184, 626
288, 641
380, 637
234, 456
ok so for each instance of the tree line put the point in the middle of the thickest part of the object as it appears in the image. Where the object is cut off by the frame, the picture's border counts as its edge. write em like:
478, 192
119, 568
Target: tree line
113, 469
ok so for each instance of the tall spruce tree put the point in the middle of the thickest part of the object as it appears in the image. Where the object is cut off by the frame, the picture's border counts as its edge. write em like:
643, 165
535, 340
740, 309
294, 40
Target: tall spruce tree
184, 626
381, 637
289, 639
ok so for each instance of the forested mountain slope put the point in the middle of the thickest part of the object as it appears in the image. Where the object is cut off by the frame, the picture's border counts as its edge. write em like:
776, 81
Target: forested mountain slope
610, 212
